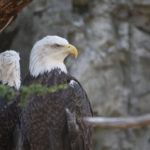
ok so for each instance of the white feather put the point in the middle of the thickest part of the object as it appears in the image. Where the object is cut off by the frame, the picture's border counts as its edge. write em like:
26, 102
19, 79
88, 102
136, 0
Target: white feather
44, 58
72, 83
10, 68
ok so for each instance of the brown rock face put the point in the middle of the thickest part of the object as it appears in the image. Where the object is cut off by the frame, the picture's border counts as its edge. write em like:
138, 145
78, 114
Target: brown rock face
9, 9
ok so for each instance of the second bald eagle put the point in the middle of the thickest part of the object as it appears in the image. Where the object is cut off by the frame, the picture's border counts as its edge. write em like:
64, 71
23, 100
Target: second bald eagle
9, 75
54, 121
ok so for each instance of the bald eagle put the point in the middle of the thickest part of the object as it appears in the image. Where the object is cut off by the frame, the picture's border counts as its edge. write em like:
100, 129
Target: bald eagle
55, 121
9, 75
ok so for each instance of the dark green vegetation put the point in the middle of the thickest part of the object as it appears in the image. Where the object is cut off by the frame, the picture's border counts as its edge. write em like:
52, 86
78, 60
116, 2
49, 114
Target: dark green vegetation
6, 92
25, 91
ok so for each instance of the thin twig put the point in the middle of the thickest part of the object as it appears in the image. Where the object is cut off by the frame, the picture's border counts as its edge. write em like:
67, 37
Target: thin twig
119, 122
9, 21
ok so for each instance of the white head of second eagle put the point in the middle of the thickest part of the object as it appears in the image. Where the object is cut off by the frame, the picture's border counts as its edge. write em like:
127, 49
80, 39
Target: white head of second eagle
49, 53
10, 69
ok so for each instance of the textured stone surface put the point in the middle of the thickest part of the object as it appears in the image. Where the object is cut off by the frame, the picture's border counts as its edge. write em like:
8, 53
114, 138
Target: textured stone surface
113, 39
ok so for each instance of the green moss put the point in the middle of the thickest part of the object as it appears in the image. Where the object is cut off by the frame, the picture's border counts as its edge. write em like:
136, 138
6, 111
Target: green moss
25, 91
6, 92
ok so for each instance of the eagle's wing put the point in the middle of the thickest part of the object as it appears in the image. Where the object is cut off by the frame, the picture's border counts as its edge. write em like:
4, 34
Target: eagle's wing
74, 132
8, 121
80, 134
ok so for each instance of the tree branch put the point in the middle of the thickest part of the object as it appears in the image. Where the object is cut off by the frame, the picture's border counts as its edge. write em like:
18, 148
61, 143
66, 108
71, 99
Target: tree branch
118, 122
9, 9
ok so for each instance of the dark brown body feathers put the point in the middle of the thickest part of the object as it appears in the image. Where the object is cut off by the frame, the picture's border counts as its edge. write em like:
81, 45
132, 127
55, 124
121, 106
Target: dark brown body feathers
9, 119
45, 123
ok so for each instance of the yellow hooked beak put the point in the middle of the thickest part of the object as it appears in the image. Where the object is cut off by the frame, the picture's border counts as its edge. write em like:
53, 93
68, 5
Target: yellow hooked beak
70, 49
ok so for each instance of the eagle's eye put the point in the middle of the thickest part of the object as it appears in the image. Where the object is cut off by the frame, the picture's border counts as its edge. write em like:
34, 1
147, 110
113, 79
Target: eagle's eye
57, 45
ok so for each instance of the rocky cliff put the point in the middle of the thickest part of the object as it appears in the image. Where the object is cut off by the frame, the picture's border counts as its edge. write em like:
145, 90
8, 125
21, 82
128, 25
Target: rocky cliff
113, 39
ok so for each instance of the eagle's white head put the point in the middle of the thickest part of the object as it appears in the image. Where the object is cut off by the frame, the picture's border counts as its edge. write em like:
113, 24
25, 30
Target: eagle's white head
10, 69
49, 53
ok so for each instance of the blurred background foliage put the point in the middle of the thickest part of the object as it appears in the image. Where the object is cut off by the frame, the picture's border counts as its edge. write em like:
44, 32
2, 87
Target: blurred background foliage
113, 40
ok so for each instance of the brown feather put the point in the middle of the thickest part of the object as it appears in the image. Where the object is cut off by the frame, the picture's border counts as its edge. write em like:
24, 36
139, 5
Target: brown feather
44, 121
9, 120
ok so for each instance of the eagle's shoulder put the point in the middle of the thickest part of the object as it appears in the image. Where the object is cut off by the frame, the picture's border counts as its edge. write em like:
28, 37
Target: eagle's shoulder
75, 91
81, 95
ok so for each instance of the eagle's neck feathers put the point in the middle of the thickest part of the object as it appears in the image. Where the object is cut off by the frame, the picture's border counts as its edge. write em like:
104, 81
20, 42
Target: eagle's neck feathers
41, 63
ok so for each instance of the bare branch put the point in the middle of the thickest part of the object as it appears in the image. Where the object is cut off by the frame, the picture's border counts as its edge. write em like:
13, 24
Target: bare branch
118, 122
